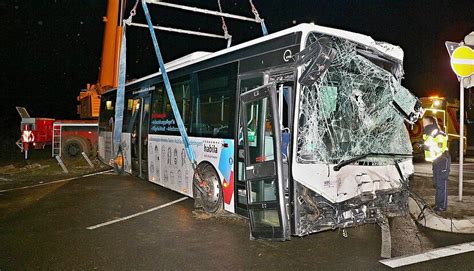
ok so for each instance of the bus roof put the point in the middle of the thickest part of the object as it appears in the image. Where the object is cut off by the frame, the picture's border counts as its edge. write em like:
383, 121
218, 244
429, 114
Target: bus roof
388, 50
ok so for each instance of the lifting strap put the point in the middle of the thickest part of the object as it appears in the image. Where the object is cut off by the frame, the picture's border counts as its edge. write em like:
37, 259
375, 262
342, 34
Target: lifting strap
169, 90
119, 100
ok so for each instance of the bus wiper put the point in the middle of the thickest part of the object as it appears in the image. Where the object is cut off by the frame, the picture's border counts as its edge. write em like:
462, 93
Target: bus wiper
344, 163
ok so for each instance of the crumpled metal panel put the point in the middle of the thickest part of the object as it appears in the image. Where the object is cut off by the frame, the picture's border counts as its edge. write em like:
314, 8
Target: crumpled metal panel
355, 107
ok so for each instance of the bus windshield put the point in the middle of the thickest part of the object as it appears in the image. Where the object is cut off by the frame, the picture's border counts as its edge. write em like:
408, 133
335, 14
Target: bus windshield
357, 107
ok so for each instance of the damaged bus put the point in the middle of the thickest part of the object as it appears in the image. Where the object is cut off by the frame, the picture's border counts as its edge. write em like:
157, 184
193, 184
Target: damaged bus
300, 131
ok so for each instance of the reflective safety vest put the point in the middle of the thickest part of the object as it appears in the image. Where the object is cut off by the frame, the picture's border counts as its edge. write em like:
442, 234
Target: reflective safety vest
436, 143
28, 136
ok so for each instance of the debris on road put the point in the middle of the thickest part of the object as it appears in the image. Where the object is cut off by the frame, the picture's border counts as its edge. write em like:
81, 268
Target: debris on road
221, 216
42, 170
407, 238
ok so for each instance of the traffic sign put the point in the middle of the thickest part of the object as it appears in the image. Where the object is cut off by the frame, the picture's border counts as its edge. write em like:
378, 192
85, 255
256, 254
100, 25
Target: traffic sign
462, 61
451, 46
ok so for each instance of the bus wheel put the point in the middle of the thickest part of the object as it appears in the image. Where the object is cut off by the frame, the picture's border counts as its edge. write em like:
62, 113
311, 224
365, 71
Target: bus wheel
454, 150
73, 147
211, 198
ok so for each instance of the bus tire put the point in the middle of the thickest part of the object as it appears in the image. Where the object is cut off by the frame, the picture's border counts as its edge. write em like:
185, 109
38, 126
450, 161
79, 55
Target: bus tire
213, 200
73, 146
454, 150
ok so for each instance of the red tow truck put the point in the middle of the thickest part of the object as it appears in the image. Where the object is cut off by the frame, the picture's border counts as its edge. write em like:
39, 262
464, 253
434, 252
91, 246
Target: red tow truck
67, 138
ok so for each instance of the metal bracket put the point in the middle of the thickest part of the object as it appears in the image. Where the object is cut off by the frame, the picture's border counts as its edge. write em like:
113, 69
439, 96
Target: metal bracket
60, 162
87, 159
386, 249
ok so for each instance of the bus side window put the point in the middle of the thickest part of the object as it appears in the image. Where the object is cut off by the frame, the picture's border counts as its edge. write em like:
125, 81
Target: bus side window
162, 116
107, 112
246, 85
214, 102
157, 110
129, 109
259, 131
182, 93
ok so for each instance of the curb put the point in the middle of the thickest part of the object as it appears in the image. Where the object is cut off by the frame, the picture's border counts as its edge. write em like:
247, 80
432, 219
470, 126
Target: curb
429, 219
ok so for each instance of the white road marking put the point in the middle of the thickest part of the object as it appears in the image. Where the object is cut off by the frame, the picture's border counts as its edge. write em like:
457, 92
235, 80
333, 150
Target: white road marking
53, 182
429, 255
136, 214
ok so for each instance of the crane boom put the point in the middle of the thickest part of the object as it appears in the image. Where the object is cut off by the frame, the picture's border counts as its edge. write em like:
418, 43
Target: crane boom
89, 98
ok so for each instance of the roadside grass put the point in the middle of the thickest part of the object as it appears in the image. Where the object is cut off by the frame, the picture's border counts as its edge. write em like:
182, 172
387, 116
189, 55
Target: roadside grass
42, 168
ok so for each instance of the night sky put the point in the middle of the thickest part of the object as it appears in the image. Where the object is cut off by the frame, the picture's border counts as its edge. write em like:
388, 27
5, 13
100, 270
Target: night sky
51, 48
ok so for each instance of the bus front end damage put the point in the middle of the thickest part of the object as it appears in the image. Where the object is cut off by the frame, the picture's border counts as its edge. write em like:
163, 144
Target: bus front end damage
352, 156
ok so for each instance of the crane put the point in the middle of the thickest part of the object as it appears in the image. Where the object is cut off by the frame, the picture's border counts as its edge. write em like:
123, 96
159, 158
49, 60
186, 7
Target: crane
89, 98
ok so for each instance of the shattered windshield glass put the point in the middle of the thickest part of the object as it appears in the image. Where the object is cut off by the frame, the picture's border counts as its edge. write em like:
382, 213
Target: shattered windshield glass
354, 108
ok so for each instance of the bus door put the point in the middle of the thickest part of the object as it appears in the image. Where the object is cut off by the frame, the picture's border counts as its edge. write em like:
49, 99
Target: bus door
246, 83
285, 84
263, 164
285, 81
139, 136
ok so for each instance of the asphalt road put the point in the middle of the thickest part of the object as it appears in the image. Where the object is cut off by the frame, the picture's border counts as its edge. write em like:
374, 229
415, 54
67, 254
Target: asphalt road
46, 227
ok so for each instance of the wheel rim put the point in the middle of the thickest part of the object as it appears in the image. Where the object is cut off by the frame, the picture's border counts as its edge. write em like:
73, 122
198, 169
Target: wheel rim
211, 187
73, 149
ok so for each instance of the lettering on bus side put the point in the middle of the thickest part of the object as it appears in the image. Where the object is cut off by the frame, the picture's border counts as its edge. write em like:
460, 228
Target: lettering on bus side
164, 125
210, 148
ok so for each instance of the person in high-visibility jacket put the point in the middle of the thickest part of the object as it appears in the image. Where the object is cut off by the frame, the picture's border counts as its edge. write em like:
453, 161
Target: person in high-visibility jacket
436, 151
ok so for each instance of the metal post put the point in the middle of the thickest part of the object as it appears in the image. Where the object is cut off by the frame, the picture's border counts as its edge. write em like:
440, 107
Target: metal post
201, 10
182, 31
461, 136
60, 162
386, 249
87, 159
